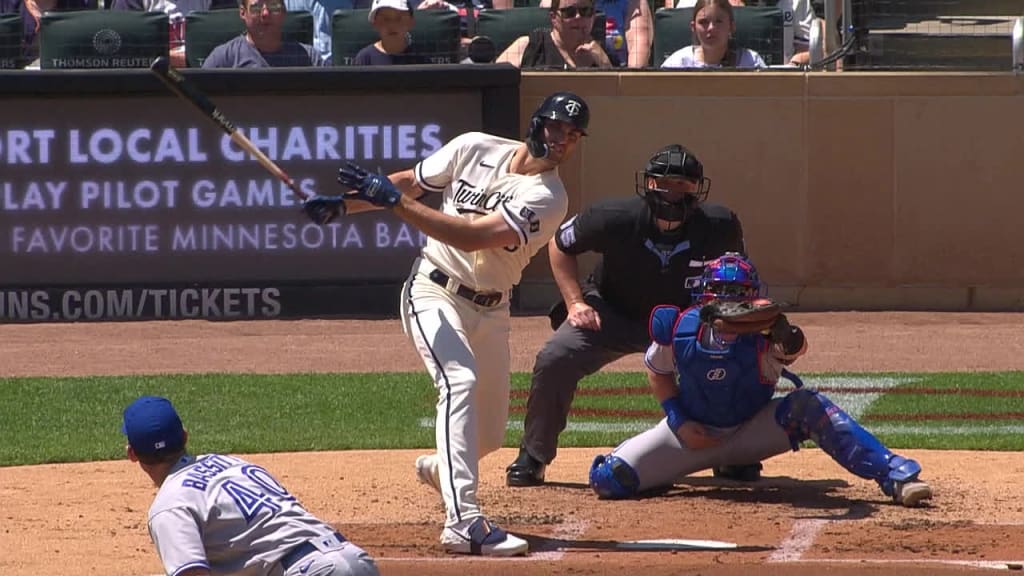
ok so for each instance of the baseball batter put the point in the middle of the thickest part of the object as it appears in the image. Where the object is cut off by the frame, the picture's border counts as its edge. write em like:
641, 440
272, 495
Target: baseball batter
502, 200
218, 514
717, 392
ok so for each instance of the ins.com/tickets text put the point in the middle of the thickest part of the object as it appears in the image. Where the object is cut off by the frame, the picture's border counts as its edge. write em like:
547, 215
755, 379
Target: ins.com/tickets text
128, 303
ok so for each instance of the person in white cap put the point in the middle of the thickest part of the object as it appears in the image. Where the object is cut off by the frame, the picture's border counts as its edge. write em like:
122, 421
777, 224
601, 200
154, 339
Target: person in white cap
393, 20
218, 514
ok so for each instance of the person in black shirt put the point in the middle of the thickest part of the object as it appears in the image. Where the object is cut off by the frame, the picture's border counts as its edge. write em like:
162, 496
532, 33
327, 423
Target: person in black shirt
652, 246
567, 44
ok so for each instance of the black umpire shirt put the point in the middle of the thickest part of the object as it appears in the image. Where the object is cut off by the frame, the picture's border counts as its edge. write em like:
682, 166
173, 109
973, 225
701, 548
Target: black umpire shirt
638, 270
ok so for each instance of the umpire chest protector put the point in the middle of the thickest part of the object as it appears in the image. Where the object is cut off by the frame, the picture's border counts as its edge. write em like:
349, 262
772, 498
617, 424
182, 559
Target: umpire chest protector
720, 384
636, 272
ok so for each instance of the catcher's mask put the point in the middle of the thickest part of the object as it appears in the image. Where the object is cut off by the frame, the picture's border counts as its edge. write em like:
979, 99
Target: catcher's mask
564, 106
672, 161
729, 277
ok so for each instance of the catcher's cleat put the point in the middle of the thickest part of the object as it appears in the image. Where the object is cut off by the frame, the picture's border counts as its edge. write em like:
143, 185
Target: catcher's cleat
739, 472
480, 537
911, 493
426, 471
525, 471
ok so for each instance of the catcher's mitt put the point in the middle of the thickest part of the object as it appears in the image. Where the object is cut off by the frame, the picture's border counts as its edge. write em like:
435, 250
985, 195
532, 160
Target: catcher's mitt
744, 317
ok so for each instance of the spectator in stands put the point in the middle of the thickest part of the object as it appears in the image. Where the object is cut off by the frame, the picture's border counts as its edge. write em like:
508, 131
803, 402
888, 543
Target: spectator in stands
263, 45
629, 30
176, 12
566, 45
463, 7
323, 23
31, 13
392, 19
713, 25
803, 17
690, 3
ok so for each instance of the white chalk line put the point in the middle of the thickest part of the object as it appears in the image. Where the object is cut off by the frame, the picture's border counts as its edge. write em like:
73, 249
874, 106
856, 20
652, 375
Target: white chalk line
990, 564
636, 426
804, 532
800, 538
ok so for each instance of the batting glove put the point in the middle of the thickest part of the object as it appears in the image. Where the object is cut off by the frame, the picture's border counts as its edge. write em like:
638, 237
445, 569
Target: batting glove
376, 189
323, 209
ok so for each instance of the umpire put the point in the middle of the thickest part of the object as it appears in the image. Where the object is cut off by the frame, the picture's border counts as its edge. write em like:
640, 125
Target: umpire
653, 247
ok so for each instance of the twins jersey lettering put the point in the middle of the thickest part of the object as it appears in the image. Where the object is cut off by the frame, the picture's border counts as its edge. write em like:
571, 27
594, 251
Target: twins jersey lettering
472, 173
227, 515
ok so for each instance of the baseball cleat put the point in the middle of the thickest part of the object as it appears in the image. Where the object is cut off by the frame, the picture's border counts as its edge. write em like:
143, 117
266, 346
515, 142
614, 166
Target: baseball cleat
525, 471
426, 471
481, 538
911, 493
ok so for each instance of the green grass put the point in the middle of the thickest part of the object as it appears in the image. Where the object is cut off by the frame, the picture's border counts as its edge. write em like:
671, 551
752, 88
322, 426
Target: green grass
78, 419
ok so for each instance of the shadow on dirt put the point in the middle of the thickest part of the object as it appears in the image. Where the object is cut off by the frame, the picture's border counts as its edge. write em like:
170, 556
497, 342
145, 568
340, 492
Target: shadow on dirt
796, 492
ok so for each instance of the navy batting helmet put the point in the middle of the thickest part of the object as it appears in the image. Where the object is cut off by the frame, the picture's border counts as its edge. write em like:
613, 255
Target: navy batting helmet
672, 161
564, 106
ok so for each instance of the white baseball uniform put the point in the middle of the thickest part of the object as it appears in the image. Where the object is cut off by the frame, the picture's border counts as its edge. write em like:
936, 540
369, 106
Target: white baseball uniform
465, 343
232, 517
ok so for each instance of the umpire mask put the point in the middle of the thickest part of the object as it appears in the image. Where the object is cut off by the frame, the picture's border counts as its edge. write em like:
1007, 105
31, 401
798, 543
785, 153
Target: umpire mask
672, 161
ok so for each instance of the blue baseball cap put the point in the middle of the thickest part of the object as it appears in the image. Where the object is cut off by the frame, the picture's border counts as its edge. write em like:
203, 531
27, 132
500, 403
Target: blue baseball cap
151, 424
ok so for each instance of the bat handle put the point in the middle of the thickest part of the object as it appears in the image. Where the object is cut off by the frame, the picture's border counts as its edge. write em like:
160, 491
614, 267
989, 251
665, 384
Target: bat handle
295, 188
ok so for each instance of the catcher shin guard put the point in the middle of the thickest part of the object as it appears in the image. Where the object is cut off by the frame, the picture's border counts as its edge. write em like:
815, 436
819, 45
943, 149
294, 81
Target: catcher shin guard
807, 415
612, 478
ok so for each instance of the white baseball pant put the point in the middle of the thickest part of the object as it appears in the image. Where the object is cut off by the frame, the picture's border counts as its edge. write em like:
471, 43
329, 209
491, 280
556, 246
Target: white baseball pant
659, 458
465, 348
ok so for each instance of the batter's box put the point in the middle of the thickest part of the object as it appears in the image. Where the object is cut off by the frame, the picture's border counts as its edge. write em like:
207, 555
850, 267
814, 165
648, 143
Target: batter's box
920, 538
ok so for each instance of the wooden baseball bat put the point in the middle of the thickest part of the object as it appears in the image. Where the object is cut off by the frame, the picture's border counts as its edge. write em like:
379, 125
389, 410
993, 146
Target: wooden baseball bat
185, 89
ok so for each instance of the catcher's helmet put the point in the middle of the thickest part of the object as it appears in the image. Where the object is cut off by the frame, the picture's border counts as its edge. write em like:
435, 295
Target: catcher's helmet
564, 106
729, 277
672, 161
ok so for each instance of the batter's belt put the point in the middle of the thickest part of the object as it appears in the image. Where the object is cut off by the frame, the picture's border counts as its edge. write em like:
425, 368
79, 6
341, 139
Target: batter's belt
442, 279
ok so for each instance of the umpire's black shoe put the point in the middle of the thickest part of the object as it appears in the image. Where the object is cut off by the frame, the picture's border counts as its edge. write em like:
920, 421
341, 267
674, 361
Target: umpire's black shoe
739, 472
525, 471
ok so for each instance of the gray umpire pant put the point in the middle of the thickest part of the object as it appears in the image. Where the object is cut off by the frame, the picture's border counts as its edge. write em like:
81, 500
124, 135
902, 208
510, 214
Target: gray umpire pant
566, 358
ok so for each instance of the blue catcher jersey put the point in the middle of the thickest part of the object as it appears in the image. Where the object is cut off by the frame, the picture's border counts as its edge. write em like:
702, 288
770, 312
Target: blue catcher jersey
720, 383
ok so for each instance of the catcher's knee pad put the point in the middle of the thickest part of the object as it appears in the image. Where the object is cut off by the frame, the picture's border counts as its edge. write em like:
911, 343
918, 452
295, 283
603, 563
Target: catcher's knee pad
613, 478
808, 415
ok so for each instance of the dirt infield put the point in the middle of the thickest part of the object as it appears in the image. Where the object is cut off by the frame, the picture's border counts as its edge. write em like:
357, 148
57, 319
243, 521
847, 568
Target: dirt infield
807, 517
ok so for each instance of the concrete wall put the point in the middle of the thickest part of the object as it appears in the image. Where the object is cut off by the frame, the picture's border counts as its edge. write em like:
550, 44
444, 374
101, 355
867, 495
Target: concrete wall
856, 190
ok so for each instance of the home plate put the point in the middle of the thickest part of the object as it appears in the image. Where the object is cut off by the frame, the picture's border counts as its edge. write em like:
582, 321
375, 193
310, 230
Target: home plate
675, 544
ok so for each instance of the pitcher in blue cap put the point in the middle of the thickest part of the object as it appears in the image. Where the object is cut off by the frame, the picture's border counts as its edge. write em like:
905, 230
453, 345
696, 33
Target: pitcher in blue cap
218, 514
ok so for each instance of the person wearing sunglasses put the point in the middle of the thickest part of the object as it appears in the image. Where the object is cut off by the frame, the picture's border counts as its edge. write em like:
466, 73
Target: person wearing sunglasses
568, 44
263, 44
628, 30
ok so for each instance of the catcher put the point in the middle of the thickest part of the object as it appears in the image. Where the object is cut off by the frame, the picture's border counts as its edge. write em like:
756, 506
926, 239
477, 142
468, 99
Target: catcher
713, 368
